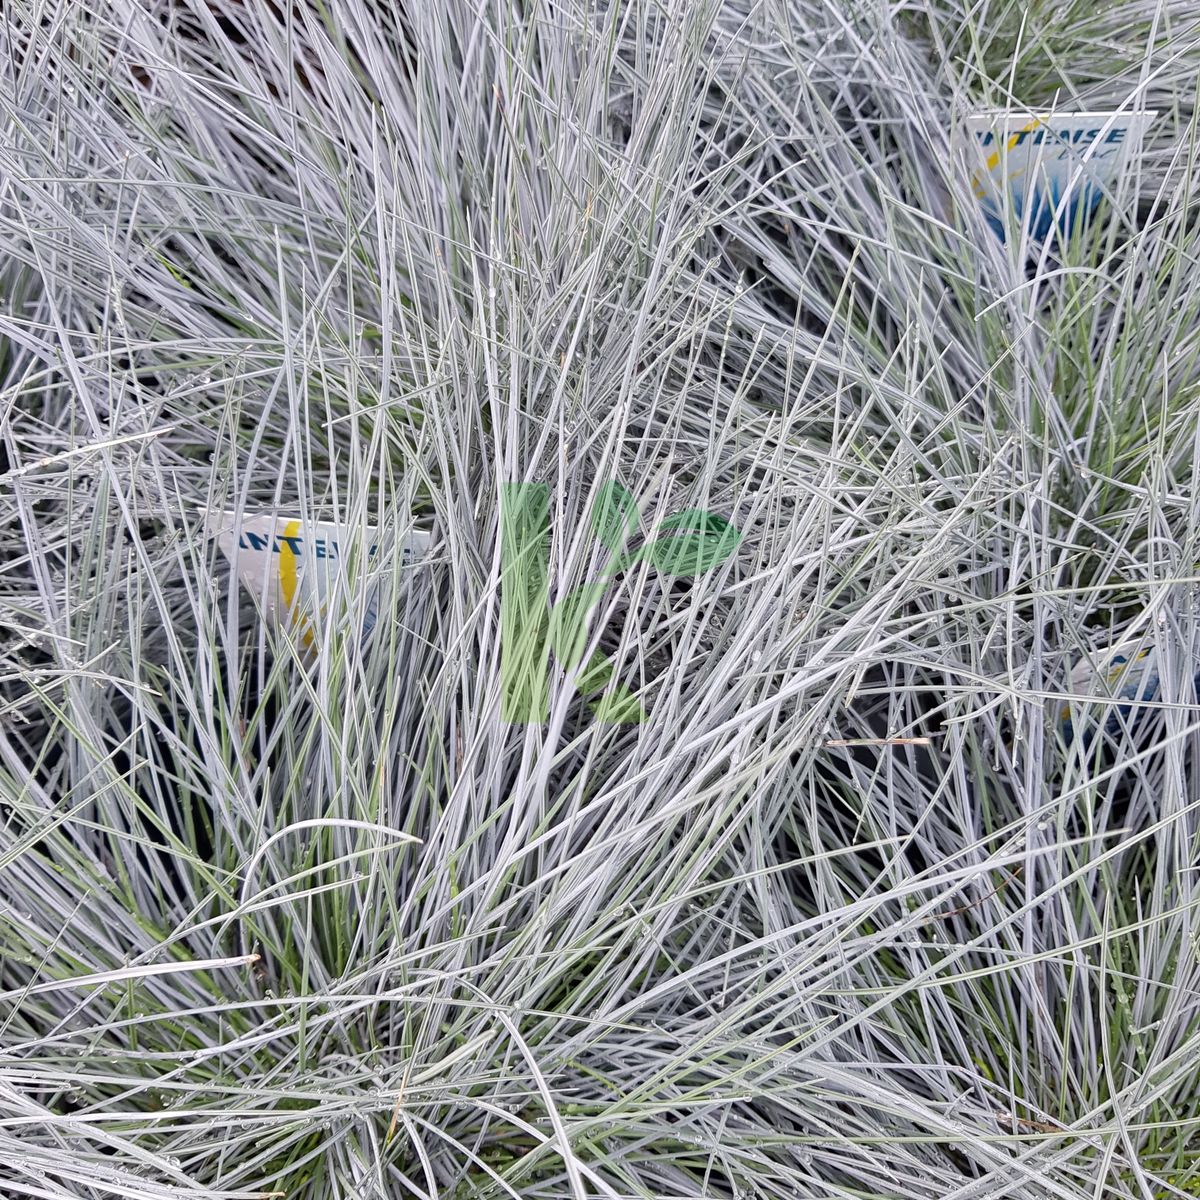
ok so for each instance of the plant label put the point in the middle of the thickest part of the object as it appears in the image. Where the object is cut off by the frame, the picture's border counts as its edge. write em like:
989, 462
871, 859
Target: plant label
1053, 168
292, 566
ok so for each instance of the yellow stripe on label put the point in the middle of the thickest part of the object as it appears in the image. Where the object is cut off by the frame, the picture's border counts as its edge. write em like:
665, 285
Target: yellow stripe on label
993, 159
1114, 672
289, 576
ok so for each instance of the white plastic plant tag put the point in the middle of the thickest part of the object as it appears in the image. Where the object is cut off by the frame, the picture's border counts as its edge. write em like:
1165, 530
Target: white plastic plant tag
291, 566
1052, 167
1124, 674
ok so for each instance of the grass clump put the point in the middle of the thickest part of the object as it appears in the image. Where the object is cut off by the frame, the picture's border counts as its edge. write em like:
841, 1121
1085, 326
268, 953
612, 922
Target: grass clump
850, 912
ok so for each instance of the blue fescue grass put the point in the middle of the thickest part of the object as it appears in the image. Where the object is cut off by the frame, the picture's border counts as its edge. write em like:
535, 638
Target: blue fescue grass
849, 914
